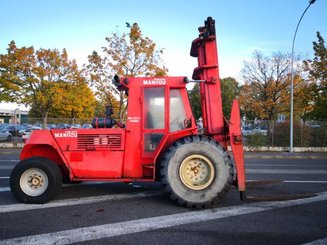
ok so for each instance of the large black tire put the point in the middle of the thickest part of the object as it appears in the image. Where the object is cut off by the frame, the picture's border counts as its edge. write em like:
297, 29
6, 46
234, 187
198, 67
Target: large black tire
35, 180
196, 172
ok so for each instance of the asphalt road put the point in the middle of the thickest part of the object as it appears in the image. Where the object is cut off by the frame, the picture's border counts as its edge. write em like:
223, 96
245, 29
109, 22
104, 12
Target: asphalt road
287, 204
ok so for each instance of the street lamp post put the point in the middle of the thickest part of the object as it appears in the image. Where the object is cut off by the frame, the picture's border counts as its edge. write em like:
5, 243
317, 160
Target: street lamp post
292, 79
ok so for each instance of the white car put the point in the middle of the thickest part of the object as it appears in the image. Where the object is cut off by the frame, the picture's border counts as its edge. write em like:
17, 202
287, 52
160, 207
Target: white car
247, 130
259, 130
5, 135
28, 132
26, 135
75, 126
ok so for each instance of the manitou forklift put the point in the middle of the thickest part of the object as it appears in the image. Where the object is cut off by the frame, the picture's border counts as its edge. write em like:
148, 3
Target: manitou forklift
160, 141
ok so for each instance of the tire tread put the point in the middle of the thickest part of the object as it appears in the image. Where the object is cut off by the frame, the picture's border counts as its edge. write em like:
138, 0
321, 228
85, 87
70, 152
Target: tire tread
164, 172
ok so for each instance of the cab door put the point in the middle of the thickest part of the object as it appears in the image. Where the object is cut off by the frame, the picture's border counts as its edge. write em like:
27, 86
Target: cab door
154, 114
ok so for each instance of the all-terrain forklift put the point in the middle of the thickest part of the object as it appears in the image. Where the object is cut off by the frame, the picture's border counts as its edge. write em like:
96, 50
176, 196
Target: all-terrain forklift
160, 140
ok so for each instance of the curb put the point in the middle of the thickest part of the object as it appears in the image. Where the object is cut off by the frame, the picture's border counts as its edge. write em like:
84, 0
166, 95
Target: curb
253, 155
284, 149
12, 145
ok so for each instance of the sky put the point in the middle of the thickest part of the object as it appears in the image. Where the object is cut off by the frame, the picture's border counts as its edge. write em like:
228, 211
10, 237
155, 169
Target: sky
242, 26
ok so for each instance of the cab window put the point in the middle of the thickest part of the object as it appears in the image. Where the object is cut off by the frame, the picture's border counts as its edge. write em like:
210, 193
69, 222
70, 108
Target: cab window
154, 102
177, 113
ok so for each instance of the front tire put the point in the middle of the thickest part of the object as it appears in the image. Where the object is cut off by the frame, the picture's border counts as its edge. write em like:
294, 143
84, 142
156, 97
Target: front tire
35, 180
197, 172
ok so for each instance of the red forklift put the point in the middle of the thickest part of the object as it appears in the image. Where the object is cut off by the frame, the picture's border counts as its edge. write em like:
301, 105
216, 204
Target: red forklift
160, 141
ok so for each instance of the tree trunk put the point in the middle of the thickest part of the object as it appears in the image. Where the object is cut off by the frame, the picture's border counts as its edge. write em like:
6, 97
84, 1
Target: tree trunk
271, 131
302, 131
45, 119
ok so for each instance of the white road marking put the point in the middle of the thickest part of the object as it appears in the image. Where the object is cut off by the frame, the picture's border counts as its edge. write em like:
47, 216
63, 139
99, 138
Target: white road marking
318, 242
284, 165
76, 201
284, 171
12, 160
305, 157
6, 167
290, 181
306, 181
4, 189
154, 223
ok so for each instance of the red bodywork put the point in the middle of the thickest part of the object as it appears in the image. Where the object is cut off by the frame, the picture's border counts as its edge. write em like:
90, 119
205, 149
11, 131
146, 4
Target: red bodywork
128, 153
159, 113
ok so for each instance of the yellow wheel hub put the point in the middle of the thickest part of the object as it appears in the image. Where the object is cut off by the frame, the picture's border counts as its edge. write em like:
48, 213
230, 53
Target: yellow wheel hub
196, 172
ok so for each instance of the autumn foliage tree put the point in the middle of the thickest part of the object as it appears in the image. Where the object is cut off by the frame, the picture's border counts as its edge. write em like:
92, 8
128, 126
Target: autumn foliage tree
128, 55
265, 92
78, 102
46, 80
99, 77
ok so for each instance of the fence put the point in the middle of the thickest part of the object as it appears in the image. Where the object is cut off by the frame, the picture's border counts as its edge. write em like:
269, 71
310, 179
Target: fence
57, 121
255, 133
306, 133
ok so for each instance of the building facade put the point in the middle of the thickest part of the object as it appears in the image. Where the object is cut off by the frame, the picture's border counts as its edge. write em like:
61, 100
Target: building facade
16, 116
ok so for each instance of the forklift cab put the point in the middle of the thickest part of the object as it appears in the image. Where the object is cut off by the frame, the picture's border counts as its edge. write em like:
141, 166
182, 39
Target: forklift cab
159, 113
155, 124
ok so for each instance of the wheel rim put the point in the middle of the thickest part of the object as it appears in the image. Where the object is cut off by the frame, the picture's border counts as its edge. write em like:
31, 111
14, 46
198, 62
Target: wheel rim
196, 172
34, 182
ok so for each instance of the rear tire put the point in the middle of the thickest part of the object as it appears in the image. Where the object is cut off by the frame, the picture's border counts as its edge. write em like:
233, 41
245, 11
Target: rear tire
35, 180
197, 172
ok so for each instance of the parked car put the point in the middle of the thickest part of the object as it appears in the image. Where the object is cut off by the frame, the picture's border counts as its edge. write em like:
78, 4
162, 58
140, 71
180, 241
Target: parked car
3, 125
247, 130
26, 125
86, 125
5, 135
13, 129
51, 126
39, 125
26, 135
23, 129
260, 130
28, 132
75, 126
63, 126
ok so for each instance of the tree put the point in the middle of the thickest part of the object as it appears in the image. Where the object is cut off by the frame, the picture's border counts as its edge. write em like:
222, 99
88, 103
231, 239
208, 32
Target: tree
40, 78
126, 55
317, 69
78, 102
99, 75
266, 90
230, 90
195, 101
13, 66
265, 93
